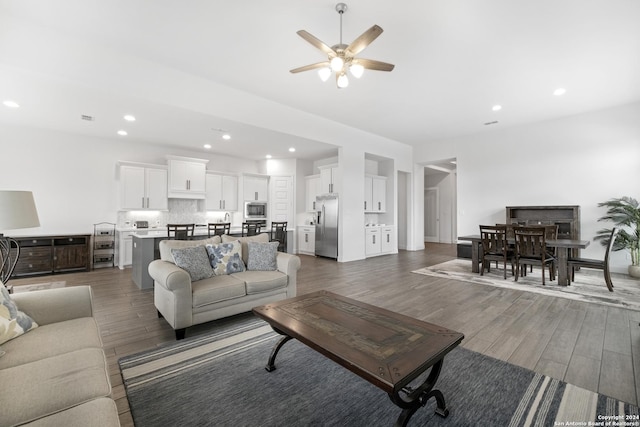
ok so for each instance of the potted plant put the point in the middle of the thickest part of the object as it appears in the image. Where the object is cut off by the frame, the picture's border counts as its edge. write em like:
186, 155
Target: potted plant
624, 212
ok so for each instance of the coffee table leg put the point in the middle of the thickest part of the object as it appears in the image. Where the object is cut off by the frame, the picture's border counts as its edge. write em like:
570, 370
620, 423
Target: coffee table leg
271, 364
415, 398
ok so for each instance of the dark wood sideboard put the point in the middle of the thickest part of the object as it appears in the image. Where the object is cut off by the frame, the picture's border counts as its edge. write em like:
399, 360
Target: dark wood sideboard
41, 255
567, 218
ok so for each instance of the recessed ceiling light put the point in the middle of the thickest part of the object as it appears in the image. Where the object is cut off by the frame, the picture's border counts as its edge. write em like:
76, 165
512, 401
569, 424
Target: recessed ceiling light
122, 132
291, 150
11, 104
207, 146
130, 118
268, 156
496, 107
559, 91
226, 136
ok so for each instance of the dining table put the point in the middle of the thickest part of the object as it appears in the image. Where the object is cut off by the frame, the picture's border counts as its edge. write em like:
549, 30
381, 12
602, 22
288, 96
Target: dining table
563, 246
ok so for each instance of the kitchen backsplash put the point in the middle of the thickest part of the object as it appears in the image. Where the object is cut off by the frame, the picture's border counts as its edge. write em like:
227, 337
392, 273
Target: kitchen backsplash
181, 211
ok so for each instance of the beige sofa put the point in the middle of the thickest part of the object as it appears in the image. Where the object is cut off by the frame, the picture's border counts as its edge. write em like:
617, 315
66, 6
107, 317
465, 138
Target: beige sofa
56, 374
184, 303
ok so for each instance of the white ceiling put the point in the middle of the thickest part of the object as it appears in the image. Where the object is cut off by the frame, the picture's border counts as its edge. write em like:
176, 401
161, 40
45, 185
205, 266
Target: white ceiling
454, 60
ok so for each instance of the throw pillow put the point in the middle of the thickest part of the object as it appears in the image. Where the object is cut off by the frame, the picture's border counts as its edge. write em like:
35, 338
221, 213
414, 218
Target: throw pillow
262, 256
194, 261
226, 258
13, 322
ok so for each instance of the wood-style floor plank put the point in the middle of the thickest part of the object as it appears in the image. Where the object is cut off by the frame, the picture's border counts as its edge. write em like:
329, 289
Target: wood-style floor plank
593, 346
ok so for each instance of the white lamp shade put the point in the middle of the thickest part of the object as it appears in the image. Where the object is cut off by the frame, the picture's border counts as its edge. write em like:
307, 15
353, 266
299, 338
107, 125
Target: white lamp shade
356, 70
17, 210
343, 81
324, 73
337, 63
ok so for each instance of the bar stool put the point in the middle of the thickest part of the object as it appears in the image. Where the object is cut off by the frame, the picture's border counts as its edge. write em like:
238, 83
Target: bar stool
219, 228
180, 231
279, 234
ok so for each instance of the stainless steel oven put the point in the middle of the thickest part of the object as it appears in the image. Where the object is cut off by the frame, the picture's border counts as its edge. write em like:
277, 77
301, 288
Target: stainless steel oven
255, 210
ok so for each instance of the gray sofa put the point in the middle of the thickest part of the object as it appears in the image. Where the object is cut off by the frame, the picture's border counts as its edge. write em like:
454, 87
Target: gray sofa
184, 303
56, 374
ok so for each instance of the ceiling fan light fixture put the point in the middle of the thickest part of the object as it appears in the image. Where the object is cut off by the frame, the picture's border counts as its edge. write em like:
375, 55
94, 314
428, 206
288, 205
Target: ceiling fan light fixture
324, 73
337, 63
343, 81
356, 70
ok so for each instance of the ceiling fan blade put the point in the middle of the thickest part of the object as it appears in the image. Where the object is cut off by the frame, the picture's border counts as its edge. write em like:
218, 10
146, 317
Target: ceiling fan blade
317, 43
363, 40
310, 67
372, 64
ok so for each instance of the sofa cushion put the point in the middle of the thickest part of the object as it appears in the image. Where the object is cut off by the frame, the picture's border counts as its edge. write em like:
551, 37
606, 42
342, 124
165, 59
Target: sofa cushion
95, 413
226, 258
216, 289
264, 237
262, 281
262, 256
13, 322
51, 340
165, 246
44, 387
193, 260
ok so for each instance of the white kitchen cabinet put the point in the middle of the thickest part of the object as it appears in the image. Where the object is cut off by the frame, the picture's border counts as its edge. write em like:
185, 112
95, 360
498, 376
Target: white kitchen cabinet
187, 178
380, 240
329, 179
255, 188
372, 242
143, 188
375, 194
125, 248
222, 192
388, 240
313, 186
307, 239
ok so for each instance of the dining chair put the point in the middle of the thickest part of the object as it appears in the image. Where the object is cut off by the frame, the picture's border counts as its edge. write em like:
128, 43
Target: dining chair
250, 229
279, 234
180, 231
531, 249
495, 248
572, 263
218, 228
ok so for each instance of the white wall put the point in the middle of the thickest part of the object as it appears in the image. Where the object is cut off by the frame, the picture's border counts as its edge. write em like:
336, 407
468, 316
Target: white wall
579, 160
74, 178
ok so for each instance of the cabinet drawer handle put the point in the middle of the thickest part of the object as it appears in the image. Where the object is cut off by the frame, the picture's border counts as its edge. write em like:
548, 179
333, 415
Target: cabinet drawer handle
374, 239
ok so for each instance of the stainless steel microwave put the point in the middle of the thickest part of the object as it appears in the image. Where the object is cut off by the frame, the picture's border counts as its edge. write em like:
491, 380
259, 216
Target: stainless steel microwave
255, 210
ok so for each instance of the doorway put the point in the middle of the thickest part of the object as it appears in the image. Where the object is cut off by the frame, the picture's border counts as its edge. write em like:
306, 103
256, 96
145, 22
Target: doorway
440, 202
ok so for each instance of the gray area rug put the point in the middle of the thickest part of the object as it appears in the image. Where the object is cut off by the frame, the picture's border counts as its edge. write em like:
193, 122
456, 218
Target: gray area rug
220, 380
588, 287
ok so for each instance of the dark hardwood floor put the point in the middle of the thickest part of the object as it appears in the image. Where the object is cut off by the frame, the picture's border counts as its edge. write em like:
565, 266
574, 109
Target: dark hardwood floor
593, 346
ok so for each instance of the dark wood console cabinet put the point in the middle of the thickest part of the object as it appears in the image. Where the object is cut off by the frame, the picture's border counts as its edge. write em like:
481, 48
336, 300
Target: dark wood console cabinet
52, 254
567, 218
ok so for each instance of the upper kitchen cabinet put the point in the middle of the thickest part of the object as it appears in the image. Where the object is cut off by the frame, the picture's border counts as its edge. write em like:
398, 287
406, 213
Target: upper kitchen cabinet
329, 179
187, 177
313, 187
255, 187
143, 187
375, 194
222, 192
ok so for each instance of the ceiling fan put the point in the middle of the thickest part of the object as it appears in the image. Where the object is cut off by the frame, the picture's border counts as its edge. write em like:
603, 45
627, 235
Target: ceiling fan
342, 57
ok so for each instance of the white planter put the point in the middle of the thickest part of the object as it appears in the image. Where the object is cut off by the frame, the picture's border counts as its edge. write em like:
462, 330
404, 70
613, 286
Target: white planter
634, 271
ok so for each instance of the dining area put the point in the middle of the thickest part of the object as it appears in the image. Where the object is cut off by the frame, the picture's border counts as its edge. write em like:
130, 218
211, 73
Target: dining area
516, 248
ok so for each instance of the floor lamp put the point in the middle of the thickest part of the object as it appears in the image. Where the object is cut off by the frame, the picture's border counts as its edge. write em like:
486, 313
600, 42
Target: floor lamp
17, 210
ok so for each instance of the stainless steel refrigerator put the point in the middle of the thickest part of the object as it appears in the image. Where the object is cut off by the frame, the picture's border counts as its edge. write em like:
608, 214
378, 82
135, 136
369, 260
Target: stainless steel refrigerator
327, 225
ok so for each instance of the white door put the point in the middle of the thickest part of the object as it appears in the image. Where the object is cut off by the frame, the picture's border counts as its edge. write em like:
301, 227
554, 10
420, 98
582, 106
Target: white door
431, 215
281, 200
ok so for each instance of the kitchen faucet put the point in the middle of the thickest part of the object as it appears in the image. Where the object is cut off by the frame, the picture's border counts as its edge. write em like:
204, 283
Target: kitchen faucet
227, 217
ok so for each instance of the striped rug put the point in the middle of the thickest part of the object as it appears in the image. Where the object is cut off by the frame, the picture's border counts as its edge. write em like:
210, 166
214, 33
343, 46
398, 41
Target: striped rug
219, 380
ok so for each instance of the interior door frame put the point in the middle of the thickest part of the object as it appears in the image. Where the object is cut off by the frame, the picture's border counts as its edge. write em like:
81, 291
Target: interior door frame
436, 221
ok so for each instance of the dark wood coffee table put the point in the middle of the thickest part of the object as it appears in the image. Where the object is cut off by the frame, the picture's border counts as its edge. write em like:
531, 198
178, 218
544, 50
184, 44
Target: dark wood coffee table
387, 349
